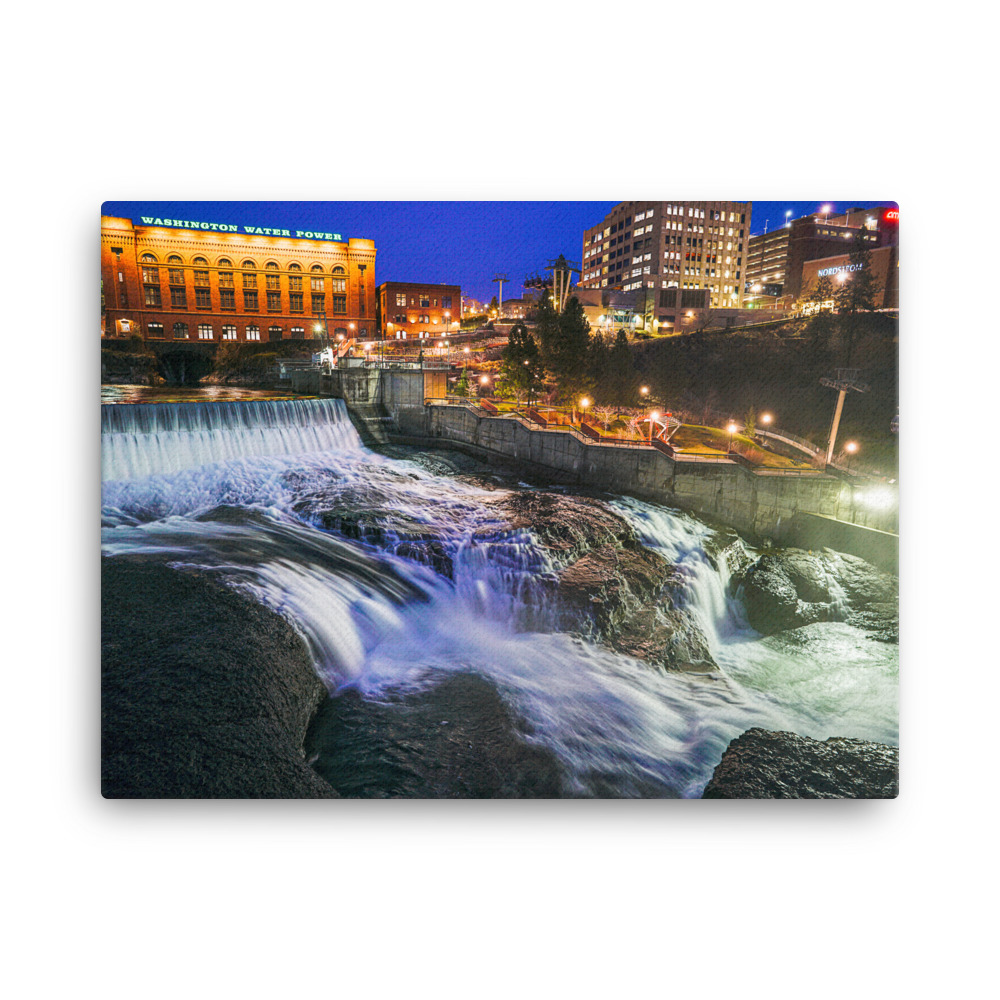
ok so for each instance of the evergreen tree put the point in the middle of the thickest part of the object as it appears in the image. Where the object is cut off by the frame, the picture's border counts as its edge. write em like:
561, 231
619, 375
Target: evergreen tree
547, 330
462, 385
858, 292
520, 365
620, 384
598, 364
493, 307
570, 359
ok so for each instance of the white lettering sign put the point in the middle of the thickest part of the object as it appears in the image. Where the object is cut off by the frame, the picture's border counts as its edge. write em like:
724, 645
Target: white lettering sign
219, 227
837, 270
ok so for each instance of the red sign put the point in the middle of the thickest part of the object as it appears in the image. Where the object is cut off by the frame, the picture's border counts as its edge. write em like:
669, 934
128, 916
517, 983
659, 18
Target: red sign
892, 216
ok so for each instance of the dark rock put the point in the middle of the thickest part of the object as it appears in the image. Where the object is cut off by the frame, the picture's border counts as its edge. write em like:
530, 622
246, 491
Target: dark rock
793, 587
204, 692
457, 739
610, 586
772, 765
429, 553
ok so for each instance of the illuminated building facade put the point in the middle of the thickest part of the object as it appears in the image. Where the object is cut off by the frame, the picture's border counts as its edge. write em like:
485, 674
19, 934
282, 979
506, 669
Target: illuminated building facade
838, 269
411, 311
689, 245
775, 260
181, 280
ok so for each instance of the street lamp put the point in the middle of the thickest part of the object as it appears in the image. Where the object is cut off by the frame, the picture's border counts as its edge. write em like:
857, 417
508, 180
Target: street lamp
644, 390
584, 403
652, 417
851, 447
732, 428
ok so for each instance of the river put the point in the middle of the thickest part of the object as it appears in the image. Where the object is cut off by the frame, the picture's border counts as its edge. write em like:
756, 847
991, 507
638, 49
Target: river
235, 487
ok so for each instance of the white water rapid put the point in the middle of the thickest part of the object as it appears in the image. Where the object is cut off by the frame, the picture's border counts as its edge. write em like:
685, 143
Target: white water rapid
240, 488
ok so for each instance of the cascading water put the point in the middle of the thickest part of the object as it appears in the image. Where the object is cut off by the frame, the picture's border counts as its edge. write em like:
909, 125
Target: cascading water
245, 490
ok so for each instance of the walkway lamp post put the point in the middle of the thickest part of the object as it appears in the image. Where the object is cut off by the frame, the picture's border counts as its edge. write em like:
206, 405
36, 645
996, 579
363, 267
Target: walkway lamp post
652, 417
732, 428
851, 447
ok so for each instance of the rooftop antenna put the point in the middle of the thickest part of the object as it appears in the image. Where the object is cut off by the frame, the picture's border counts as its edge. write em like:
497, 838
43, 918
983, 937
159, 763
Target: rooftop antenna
844, 381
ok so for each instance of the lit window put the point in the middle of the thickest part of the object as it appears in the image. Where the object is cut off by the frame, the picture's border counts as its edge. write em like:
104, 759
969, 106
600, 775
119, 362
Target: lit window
205, 331
253, 333
180, 331
229, 333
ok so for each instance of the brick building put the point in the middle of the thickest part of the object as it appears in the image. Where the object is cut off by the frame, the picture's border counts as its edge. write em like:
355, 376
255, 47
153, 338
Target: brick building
407, 310
170, 279
775, 260
838, 268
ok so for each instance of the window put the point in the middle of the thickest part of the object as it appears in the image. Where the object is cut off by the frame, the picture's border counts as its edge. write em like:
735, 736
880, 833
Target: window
425, 301
226, 279
250, 299
225, 262
318, 304
274, 333
151, 275
274, 302
154, 329
337, 269
270, 266
295, 302
229, 333
180, 331
446, 301
273, 281
205, 331
317, 284
152, 295
294, 267
178, 298
340, 284
249, 279
400, 298
227, 298
203, 298
253, 333
200, 262
295, 283
317, 267
175, 276
340, 303
201, 278
298, 333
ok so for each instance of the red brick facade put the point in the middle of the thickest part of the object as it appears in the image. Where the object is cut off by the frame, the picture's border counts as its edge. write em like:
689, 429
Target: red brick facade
411, 311
167, 283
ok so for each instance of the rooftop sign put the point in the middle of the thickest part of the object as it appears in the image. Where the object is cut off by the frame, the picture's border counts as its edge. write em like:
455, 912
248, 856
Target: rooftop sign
838, 270
220, 227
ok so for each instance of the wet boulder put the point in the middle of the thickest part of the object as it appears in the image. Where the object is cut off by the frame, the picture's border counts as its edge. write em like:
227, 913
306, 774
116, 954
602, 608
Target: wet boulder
762, 764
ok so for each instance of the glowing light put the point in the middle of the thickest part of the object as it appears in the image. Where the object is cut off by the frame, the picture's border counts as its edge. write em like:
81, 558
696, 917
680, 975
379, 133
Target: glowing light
766, 418
655, 415
584, 403
465, 350
644, 390
484, 380
732, 428
851, 446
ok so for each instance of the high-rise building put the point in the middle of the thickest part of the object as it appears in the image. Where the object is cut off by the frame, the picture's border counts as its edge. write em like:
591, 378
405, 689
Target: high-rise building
689, 245
775, 259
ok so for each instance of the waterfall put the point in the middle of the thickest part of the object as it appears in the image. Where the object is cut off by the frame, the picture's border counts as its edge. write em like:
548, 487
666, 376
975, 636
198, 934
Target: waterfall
244, 490
149, 439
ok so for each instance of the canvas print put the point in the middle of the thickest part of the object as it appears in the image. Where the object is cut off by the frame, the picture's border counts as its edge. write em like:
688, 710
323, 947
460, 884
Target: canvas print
499, 499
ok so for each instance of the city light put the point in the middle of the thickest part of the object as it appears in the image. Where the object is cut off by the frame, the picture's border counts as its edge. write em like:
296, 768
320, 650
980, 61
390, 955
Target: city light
766, 418
484, 380
584, 403
851, 446
644, 390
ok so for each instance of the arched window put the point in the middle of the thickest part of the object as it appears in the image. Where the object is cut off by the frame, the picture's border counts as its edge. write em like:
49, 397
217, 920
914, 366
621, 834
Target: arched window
253, 333
200, 262
180, 331
271, 266
205, 331
274, 333
174, 259
228, 332
225, 262
338, 269
148, 258
317, 267
248, 265
294, 267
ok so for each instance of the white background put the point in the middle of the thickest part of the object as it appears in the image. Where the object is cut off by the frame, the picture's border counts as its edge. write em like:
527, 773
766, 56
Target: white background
708, 899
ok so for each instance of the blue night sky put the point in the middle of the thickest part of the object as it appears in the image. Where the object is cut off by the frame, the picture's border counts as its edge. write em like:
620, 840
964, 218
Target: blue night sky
456, 242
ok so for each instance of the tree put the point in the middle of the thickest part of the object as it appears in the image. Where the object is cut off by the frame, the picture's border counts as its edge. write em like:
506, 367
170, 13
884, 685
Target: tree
858, 292
520, 364
620, 383
493, 307
820, 291
462, 386
750, 423
569, 352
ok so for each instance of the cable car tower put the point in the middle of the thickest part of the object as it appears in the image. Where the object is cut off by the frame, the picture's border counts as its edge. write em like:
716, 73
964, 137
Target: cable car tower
501, 278
562, 277
844, 381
